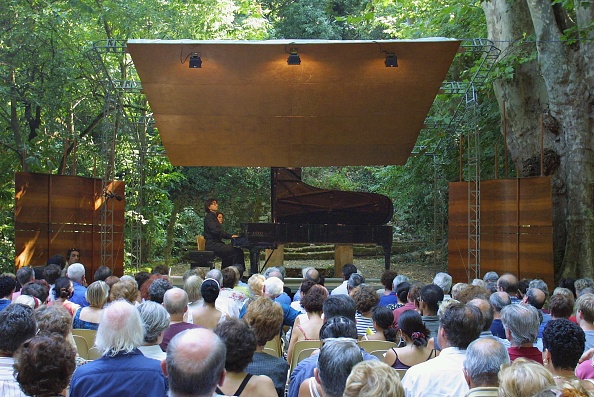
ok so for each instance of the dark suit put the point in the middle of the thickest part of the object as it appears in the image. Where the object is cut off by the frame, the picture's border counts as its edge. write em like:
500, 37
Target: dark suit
214, 235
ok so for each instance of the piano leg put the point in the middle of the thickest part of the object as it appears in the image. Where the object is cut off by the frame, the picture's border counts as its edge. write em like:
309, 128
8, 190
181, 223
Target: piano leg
254, 259
387, 255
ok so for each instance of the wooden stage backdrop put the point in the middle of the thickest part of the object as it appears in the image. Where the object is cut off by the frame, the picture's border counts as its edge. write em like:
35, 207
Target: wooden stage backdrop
54, 213
516, 228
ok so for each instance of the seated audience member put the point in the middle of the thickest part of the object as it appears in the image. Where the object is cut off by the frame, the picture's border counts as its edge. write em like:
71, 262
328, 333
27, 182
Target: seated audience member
563, 343
431, 297
17, 324
111, 281
158, 288
536, 297
122, 370
383, 322
7, 287
145, 285
472, 292
141, 278
396, 283
484, 358
283, 298
273, 287
192, 287
582, 285
444, 281
569, 284
24, 275
414, 293
561, 306
266, 319
124, 289
487, 312
63, 291
510, 284
347, 271
102, 273
44, 364
443, 375
336, 326
195, 363
354, 281
28, 300
38, 289
336, 360
230, 280
457, 290
480, 283
373, 379
416, 335
524, 378
366, 300
308, 329
88, 317
490, 279
175, 302
240, 341
498, 300
387, 294
51, 272
402, 293
76, 274
155, 321
521, 324
303, 289
208, 316
584, 307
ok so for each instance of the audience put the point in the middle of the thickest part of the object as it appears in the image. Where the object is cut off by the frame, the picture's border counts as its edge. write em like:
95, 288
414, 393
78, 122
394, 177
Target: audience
509, 283
17, 324
561, 306
273, 287
487, 312
102, 273
175, 301
582, 285
366, 300
431, 297
89, 317
122, 370
444, 281
460, 325
76, 273
416, 336
584, 307
124, 289
240, 341
524, 378
383, 323
208, 316
192, 287
414, 293
388, 294
44, 364
7, 287
373, 379
266, 318
63, 291
155, 321
308, 329
158, 288
283, 298
521, 324
38, 289
484, 358
498, 300
354, 281
347, 271
195, 363
24, 275
230, 280
51, 272
490, 279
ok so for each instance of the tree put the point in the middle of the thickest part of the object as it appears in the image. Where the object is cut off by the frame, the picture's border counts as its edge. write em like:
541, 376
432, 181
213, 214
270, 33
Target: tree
549, 52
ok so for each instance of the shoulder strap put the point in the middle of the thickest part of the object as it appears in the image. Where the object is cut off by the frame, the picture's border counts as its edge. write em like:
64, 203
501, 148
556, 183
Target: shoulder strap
243, 384
219, 391
396, 360
432, 353
313, 389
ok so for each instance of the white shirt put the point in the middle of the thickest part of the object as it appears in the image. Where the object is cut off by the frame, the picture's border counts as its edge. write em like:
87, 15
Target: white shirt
341, 289
441, 376
153, 352
9, 387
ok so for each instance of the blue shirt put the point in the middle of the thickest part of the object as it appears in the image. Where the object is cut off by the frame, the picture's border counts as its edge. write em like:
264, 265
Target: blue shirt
283, 298
289, 314
78, 296
130, 374
4, 303
386, 300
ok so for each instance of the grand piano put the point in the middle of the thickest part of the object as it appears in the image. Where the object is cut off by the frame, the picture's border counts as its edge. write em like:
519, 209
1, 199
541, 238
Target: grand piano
305, 214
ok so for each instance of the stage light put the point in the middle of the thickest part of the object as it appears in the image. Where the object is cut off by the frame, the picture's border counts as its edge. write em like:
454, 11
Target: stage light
195, 61
293, 58
391, 60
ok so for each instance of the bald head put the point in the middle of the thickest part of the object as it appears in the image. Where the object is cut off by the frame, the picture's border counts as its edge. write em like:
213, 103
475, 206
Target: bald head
195, 363
508, 283
486, 310
535, 297
175, 301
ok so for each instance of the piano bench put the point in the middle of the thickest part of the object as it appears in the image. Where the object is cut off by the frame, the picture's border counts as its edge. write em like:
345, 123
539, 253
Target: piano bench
202, 259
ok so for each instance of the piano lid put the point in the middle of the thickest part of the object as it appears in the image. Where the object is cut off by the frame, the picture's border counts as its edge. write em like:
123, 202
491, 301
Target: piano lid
247, 107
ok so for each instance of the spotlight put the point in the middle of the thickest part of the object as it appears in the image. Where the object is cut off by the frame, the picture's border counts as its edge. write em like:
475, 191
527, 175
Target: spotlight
391, 60
293, 58
195, 61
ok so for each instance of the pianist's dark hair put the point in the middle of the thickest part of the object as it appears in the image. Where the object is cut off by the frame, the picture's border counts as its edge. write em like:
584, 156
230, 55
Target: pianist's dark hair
207, 204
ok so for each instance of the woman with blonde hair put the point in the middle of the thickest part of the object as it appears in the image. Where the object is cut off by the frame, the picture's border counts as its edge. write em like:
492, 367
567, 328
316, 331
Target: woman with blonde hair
88, 317
192, 287
373, 378
524, 378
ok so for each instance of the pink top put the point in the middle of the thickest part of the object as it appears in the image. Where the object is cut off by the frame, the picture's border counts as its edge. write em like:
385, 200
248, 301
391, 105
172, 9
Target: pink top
585, 370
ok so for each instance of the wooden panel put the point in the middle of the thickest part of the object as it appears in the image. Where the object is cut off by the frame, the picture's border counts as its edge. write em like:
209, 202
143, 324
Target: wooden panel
516, 233
247, 107
55, 213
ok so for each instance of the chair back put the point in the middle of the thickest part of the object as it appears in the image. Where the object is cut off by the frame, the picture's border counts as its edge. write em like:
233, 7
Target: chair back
81, 346
274, 347
201, 243
401, 373
374, 345
302, 350
88, 334
94, 353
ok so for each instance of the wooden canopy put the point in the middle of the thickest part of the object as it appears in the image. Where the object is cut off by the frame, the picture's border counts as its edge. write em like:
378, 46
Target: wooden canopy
247, 107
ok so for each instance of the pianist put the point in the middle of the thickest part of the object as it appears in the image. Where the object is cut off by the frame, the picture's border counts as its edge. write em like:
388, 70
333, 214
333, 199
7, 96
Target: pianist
214, 235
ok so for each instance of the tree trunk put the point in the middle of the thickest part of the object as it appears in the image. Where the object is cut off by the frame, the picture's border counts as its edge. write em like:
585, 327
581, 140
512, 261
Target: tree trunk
171, 231
558, 86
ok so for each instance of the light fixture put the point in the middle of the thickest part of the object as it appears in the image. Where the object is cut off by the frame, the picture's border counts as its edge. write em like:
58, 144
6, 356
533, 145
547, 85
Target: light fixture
391, 60
293, 58
195, 61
